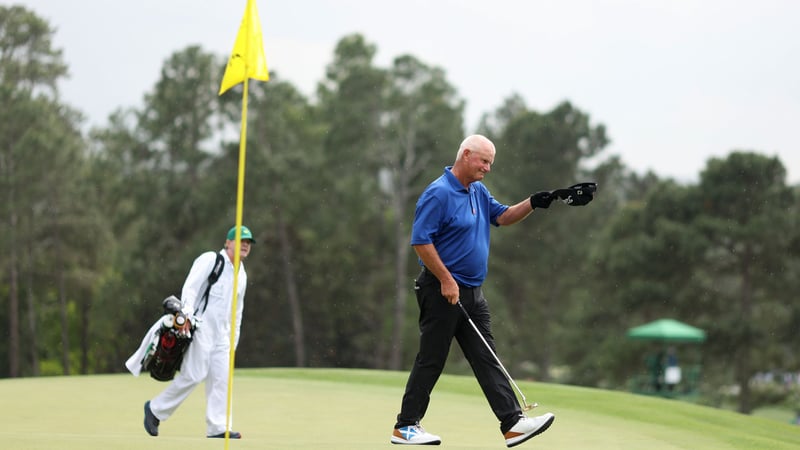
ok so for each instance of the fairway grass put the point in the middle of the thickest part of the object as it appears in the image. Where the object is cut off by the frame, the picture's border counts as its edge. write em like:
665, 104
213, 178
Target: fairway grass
355, 409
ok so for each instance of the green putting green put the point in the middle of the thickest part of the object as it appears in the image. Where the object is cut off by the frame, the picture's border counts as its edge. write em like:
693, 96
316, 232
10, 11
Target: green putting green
355, 409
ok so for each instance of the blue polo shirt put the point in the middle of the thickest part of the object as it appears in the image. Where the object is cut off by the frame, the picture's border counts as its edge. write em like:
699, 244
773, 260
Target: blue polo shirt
456, 221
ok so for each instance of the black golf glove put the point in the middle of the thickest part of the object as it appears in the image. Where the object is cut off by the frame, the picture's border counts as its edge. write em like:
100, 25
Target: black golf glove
576, 195
541, 199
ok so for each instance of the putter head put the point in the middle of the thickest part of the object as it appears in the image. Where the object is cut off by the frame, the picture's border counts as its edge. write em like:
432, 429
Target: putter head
530, 407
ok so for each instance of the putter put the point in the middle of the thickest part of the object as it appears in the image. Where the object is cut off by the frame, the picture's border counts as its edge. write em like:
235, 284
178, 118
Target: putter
525, 405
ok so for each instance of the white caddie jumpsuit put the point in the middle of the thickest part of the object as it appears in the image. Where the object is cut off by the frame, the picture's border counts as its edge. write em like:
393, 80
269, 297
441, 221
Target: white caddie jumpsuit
207, 358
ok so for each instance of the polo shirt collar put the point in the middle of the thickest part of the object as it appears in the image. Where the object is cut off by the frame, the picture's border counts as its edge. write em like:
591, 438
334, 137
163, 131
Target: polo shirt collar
454, 183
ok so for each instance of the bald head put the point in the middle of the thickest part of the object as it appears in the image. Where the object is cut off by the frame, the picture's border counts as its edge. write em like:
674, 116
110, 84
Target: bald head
476, 143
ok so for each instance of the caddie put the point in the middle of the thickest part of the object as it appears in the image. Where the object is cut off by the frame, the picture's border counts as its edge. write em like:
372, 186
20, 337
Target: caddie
208, 357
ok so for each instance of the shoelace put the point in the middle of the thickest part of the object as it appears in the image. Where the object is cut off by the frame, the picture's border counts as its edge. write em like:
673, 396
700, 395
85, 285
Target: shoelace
413, 430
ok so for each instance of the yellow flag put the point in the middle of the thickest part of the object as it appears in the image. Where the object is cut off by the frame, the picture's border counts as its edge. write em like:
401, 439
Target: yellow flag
247, 59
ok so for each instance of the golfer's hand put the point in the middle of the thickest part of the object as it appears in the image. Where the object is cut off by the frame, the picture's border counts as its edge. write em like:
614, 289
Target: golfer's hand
541, 200
450, 291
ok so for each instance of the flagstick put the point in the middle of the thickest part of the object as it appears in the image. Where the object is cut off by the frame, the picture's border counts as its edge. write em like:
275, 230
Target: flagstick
238, 242
246, 61
236, 258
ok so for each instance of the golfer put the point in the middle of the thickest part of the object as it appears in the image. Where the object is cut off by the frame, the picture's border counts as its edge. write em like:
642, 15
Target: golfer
450, 235
208, 356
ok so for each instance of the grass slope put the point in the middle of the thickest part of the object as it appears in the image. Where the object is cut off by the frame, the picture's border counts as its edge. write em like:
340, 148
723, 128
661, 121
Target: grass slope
355, 409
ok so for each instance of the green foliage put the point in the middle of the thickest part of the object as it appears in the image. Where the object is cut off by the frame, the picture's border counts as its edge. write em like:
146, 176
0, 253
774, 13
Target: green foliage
28, 59
53, 233
713, 255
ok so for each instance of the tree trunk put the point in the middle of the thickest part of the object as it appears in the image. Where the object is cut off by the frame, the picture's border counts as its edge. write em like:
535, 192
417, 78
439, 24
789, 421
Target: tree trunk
291, 292
742, 365
13, 294
544, 331
401, 290
62, 302
401, 261
86, 306
33, 341
404, 171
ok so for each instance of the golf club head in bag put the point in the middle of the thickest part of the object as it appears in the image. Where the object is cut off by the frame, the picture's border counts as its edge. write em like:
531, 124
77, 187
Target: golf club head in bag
576, 195
172, 305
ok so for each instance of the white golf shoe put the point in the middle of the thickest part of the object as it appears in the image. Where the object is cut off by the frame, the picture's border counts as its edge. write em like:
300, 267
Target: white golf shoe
528, 427
414, 435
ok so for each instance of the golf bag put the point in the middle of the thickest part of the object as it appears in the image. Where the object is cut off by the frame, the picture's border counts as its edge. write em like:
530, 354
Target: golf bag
165, 354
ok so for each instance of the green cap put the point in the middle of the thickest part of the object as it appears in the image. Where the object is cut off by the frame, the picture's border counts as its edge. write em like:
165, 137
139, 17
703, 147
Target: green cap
246, 234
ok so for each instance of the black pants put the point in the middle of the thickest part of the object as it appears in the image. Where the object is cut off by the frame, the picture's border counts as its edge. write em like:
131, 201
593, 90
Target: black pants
439, 323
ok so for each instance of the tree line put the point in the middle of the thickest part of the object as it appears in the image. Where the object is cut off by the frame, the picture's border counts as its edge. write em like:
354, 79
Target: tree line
97, 228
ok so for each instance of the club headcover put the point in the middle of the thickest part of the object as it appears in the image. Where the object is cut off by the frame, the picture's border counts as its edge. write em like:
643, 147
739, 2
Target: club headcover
171, 305
576, 195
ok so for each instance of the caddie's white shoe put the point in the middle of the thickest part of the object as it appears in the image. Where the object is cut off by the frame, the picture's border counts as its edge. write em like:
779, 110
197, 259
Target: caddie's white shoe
414, 435
528, 427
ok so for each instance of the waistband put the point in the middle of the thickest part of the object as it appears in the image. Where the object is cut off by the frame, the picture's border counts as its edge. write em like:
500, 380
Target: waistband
426, 271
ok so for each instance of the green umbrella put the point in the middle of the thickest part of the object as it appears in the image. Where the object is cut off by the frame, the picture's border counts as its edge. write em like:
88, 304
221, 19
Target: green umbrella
667, 330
